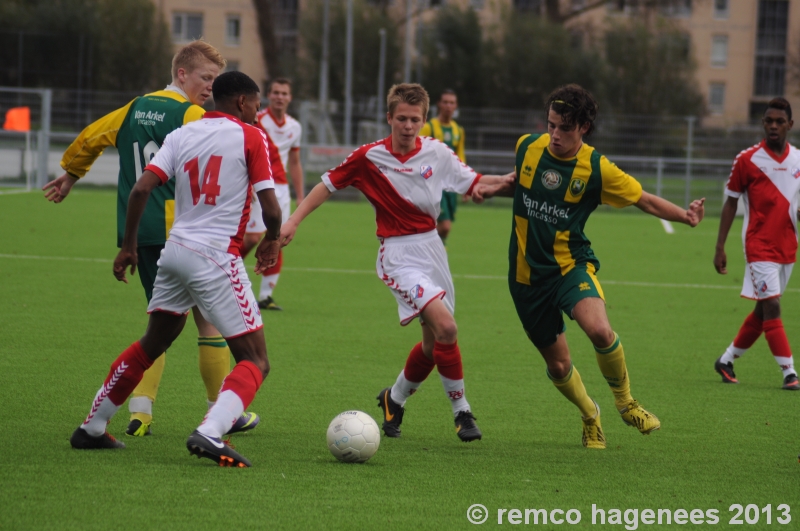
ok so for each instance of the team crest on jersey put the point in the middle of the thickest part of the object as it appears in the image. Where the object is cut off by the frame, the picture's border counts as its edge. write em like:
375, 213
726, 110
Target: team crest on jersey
577, 187
383, 169
425, 172
795, 172
551, 179
416, 292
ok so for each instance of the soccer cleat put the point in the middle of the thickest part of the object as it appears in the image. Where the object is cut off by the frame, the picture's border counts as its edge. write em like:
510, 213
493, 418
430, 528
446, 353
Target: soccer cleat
791, 383
269, 304
81, 440
136, 428
635, 415
245, 422
392, 413
214, 449
593, 436
726, 371
466, 429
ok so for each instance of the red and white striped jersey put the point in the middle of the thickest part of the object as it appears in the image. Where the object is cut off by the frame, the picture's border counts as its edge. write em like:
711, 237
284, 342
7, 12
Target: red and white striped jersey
405, 190
217, 161
769, 185
285, 135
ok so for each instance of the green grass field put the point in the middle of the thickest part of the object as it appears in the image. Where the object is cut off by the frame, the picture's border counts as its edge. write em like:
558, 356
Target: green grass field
64, 319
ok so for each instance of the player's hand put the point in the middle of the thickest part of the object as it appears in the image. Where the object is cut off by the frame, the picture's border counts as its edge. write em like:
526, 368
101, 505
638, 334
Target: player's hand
122, 261
480, 193
696, 212
288, 231
267, 255
721, 262
57, 189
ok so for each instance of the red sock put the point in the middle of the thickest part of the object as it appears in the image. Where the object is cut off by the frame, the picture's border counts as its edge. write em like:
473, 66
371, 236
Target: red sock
274, 270
448, 360
750, 331
418, 366
126, 373
244, 380
776, 338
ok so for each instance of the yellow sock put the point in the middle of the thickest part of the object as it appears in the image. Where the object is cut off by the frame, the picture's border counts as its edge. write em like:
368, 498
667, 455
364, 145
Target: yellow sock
215, 363
571, 386
612, 365
148, 388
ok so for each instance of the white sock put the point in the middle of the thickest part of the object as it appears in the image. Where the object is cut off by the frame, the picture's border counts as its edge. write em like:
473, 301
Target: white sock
732, 353
100, 415
221, 417
268, 284
210, 403
403, 388
786, 365
455, 392
140, 404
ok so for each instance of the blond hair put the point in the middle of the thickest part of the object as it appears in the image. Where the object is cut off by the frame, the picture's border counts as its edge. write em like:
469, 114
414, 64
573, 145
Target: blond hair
410, 93
195, 54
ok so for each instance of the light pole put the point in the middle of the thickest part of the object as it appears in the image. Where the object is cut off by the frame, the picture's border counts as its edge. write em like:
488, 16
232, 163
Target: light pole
322, 136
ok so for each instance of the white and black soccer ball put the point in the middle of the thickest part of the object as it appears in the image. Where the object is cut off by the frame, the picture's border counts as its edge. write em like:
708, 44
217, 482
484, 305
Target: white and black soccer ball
353, 437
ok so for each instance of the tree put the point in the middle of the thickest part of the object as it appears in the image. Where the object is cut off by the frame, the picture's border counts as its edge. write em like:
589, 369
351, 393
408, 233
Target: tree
266, 33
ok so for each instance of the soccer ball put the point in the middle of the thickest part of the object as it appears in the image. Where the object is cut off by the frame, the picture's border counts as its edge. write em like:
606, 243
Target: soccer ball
353, 437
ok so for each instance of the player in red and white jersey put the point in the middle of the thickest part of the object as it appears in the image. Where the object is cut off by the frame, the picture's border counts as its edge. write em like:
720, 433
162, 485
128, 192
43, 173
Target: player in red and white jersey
767, 177
403, 177
216, 162
284, 132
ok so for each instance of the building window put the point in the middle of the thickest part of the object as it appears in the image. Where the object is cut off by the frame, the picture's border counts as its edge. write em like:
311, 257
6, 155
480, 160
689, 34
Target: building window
716, 98
719, 50
476, 4
186, 27
770, 71
721, 9
528, 6
233, 30
232, 65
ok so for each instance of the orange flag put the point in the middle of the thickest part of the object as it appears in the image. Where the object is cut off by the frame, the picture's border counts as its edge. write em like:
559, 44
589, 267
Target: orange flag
18, 119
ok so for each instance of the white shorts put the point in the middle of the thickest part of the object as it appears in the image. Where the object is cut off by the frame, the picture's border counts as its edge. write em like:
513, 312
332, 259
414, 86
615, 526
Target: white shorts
765, 280
191, 274
256, 222
416, 270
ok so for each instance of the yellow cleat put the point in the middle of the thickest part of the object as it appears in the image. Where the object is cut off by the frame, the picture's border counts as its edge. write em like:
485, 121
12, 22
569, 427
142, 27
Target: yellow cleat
137, 428
593, 436
635, 415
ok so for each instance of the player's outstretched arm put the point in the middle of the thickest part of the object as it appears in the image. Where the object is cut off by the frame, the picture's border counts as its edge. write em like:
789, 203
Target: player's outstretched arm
268, 248
725, 222
494, 185
136, 204
58, 189
319, 194
661, 208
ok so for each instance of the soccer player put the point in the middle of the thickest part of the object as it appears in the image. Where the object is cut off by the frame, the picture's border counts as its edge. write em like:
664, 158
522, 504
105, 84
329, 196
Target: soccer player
138, 130
444, 128
559, 182
216, 161
285, 132
403, 177
765, 176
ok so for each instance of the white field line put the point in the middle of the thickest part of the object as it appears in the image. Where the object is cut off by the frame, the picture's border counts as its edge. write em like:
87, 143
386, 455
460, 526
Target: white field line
668, 228
368, 272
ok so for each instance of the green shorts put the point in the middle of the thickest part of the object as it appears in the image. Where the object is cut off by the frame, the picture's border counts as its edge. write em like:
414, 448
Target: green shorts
540, 306
148, 267
448, 206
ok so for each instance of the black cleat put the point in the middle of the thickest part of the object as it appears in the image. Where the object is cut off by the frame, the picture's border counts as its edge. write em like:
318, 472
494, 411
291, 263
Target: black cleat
269, 304
791, 383
136, 428
81, 440
392, 413
726, 371
466, 429
214, 449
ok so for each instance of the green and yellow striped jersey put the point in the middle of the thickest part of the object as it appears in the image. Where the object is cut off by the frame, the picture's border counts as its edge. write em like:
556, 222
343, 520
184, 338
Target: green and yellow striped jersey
553, 199
451, 134
138, 131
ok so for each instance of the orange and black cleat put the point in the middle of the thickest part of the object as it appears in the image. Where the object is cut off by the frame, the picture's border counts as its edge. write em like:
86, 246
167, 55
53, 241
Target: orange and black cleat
216, 450
726, 371
392, 413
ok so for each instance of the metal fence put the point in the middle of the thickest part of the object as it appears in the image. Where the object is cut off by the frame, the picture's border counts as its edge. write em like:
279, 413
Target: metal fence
675, 157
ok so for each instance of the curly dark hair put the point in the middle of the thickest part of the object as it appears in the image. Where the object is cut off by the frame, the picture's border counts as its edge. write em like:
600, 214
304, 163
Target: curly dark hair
231, 85
781, 104
575, 104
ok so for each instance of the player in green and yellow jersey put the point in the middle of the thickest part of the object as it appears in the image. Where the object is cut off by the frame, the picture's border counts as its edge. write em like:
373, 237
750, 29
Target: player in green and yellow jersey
138, 130
560, 181
444, 128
